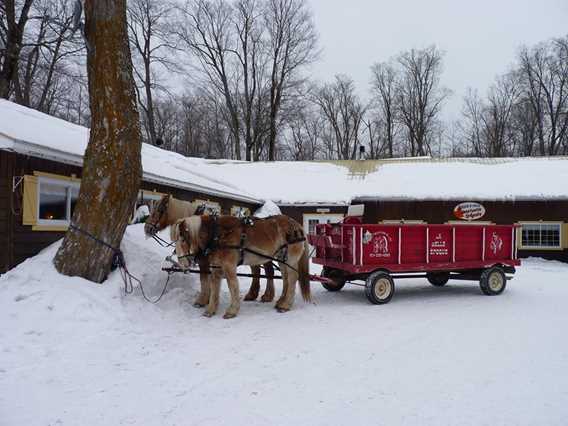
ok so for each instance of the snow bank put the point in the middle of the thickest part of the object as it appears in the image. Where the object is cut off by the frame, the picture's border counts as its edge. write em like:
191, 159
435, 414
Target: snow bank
267, 209
77, 353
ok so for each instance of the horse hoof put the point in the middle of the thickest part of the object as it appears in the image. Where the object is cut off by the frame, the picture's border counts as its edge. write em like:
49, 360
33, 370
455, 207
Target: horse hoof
229, 316
249, 298
198, 305
282, 310
266, 299
208, 314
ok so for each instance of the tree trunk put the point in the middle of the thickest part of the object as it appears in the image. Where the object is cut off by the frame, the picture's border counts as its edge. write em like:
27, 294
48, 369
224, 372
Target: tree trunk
112, 165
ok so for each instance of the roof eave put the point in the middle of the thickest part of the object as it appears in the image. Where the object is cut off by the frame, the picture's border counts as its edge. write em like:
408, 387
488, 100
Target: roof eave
34, 150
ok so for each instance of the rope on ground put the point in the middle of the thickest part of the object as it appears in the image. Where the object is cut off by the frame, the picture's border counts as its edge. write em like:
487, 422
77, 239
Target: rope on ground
119, 262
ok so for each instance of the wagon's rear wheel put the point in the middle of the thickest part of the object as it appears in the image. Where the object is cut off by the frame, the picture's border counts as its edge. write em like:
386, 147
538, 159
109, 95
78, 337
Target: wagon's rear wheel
493, 281
379, 287
336, 276
438, 279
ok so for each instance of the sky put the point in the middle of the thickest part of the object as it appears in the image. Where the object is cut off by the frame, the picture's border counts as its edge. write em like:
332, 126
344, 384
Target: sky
480, 38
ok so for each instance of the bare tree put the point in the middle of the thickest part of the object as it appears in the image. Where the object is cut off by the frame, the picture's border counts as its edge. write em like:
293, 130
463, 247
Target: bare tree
46, 64
205, 28
524, 124
343, 112
488, 125
304, 135
379, 143
384, 83
12, 29
420, 96
151, 38
544, 71
292, 41
112, 166
252, 64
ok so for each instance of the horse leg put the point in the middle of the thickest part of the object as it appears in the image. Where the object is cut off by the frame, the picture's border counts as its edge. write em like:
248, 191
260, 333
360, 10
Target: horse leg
233, 282
255, 285
268, 295
282, 298
291, 278
214, 288
204, 277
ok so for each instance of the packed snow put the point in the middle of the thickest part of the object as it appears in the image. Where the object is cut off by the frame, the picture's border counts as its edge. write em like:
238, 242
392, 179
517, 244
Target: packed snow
303, 182
77, 353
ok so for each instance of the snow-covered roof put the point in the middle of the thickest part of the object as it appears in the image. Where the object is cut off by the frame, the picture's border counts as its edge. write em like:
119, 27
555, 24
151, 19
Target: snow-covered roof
310, 183
31, 132
341, 182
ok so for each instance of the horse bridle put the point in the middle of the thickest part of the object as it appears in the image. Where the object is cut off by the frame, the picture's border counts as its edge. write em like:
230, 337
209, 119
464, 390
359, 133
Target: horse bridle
161, 209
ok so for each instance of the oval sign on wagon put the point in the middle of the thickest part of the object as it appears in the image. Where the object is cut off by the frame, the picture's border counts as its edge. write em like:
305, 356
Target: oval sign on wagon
469, 211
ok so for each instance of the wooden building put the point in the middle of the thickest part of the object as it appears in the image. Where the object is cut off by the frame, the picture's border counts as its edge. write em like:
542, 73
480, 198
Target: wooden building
40, 173
41, 163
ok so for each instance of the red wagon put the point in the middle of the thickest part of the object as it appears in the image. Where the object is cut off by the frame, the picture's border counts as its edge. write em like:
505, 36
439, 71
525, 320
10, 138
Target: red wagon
353, 251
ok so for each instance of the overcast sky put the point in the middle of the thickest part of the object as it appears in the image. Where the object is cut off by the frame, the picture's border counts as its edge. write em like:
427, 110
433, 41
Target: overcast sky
480, 37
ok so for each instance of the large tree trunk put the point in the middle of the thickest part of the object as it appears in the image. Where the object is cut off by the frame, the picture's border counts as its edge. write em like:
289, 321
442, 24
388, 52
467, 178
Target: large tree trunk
112, 166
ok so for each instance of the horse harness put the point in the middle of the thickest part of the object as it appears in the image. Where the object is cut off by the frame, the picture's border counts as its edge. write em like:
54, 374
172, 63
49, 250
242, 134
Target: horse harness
213, 243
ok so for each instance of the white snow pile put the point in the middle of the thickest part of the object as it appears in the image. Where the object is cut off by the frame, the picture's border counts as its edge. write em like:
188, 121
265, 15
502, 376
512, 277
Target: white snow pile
266, 210
77, 353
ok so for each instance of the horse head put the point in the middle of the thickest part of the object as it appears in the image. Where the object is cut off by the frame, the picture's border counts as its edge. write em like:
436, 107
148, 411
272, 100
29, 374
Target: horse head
158, 218
186, 234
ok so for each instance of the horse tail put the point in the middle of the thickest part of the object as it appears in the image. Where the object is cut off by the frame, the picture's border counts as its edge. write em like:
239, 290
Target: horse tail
304, 274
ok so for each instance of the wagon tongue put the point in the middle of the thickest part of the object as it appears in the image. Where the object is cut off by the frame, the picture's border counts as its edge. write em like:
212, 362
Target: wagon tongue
321, 279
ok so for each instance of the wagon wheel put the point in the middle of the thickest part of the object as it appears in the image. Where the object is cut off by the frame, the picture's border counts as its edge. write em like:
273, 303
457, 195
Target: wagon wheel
379, 287
438, 279
336, 276
493, 281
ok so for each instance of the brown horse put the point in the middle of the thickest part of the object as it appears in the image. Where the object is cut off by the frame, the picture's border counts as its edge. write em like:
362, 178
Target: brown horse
227, 241
167, 212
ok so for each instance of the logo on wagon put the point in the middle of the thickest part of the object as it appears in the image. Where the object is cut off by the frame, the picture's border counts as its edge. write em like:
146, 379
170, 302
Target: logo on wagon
496, 243
469, 211
380, 241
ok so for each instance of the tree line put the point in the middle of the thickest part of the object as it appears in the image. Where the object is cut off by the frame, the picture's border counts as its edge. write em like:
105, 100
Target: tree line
230, 79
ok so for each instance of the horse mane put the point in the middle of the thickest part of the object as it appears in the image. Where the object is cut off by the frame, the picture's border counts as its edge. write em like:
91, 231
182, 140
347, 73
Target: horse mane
193, 226
174, 231
178, 209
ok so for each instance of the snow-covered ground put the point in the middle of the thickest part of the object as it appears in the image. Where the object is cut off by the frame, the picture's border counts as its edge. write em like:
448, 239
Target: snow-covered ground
77, 353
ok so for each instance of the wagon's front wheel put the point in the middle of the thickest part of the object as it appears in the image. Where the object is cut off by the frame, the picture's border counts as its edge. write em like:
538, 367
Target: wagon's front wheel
336, 276
493, 281
379, 287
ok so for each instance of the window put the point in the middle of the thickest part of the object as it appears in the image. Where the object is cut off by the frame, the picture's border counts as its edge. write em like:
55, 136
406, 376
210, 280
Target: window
311, 220
541, 235
240, 211
56, 200
148, 198
49, 201
211, 207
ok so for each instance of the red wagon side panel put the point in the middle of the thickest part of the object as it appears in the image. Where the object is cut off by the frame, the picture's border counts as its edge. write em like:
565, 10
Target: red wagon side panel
379, 244
414, 243
469, 243
440, 244
361, 249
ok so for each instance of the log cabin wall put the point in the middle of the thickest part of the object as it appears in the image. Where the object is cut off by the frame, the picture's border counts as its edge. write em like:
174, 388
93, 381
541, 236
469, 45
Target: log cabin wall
6, 173
18, 241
